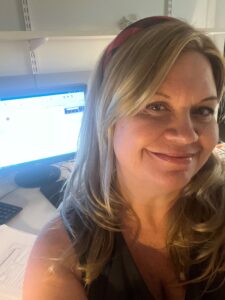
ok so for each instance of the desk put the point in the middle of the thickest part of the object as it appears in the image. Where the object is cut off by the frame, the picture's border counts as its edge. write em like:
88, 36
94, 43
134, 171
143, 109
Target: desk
37, 210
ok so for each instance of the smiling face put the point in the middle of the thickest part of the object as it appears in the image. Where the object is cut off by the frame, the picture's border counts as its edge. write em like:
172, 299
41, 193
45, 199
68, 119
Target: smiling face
163, 147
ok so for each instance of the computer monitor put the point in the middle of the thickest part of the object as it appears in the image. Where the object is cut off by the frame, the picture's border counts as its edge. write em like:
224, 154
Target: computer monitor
38, 130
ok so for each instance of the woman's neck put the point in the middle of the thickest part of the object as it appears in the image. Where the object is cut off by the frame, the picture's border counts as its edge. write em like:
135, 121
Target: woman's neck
150, 208
151, 216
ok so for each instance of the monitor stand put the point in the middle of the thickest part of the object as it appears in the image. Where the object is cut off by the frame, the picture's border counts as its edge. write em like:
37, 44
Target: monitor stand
37, 175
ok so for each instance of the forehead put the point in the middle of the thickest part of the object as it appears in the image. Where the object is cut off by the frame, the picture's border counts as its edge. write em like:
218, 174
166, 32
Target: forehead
191, 73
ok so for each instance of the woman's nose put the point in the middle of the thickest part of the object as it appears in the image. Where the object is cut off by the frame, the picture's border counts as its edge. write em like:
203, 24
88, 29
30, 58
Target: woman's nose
182, 130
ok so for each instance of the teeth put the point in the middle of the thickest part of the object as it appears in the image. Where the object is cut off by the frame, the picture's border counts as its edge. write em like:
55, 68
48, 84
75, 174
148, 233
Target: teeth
190, 158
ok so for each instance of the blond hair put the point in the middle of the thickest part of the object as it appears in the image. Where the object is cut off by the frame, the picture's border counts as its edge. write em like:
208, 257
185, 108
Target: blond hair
92, 205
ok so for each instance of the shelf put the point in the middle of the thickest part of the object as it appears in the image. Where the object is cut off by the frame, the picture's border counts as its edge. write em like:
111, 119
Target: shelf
30, 35
213, 31
78, 35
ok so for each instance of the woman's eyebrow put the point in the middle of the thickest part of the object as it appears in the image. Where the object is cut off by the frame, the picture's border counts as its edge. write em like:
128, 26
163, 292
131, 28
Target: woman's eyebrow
210, 98
204, 99
162, 94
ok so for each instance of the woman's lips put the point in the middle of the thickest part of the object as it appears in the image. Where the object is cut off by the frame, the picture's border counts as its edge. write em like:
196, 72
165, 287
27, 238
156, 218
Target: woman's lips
182, 159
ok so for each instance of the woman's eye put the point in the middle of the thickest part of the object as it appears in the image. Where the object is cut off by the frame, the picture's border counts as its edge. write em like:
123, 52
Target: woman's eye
204, 111
156, 107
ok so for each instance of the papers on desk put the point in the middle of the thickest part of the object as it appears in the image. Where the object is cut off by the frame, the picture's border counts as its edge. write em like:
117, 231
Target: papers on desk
15, 247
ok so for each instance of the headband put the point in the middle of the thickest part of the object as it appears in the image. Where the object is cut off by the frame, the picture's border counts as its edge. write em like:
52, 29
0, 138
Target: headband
130, 31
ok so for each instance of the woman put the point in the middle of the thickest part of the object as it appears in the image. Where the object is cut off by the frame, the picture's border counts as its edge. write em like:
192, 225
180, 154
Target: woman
143, 213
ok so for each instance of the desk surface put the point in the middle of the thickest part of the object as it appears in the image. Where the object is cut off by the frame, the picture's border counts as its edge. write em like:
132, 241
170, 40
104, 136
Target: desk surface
37, 210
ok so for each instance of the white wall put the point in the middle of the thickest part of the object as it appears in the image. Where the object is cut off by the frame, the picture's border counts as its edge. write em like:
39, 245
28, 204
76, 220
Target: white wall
99, 16
197, 12
14, 59
69, 55
11, 15
220, 23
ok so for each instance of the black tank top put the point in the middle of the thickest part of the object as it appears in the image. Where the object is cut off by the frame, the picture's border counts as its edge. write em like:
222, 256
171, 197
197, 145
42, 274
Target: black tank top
121, 280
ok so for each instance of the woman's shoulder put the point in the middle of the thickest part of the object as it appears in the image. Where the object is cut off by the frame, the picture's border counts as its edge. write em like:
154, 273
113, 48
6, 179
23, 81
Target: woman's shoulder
51, 271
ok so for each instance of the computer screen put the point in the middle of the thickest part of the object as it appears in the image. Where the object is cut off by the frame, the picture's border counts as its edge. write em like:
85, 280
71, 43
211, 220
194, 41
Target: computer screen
40, 128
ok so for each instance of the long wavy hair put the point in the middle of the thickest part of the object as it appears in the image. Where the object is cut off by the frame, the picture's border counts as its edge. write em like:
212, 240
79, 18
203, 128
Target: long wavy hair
92, 205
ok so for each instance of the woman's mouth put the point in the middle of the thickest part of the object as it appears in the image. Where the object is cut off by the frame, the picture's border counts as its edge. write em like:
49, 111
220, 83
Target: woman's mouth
180, 159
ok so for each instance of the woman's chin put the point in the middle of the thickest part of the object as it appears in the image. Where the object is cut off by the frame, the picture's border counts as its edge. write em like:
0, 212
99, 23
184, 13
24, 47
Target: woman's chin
172, 183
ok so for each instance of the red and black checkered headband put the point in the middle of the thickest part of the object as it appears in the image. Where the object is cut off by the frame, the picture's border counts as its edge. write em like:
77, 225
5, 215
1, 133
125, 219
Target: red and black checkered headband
127, 32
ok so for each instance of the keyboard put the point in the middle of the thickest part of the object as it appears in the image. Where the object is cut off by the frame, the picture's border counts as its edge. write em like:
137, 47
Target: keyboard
8, 211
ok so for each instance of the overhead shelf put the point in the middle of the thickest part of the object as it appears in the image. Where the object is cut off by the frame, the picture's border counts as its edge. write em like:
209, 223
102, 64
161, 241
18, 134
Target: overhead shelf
79, 35
30, 35
213, 31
